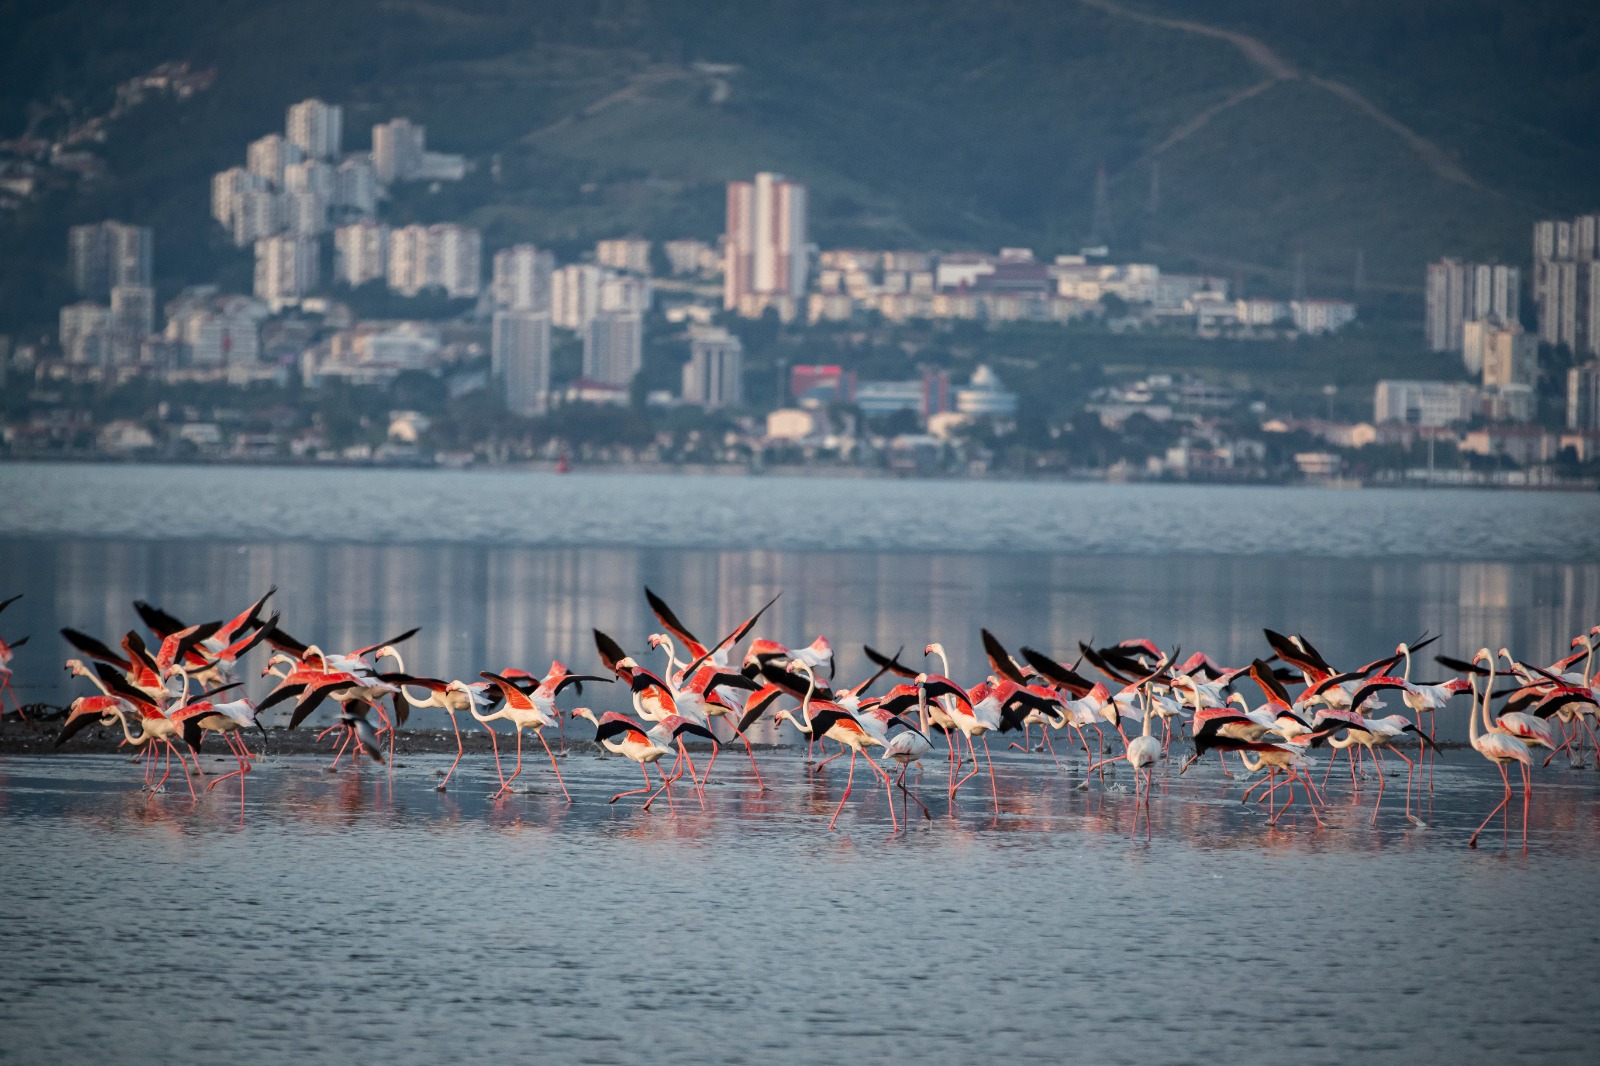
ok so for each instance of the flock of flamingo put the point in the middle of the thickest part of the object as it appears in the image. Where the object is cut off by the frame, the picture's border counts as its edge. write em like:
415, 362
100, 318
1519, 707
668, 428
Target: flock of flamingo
165, 702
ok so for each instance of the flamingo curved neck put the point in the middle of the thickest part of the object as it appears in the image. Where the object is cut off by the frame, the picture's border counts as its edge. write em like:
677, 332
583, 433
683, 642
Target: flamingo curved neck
133, 741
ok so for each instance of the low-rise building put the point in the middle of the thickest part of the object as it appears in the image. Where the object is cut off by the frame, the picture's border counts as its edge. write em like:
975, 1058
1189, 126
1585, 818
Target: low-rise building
1425, 403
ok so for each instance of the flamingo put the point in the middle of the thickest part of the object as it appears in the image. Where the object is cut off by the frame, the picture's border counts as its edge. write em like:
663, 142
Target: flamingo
966, 717
523, 712
1289, 759
1498, 748
85, 710
1141, 753
842, 727
622, 735
7, 653
907, 748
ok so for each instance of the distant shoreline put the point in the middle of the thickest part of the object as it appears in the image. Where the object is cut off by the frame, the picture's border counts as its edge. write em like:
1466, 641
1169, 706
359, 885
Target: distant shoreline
845, 473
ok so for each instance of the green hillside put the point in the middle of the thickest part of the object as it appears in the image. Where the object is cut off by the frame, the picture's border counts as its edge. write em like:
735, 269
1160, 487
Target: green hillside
1401, 132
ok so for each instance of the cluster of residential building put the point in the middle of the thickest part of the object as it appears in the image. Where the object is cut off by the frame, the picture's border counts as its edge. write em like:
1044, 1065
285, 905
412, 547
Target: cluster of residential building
1012, 286
298, 185
1475, 309
767, 258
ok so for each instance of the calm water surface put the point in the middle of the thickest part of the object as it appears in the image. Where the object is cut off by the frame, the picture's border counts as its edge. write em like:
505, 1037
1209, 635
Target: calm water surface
339, 918
349, 917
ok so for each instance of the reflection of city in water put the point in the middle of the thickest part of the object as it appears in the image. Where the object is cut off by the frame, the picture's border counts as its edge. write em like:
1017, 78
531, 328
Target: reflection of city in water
490, 607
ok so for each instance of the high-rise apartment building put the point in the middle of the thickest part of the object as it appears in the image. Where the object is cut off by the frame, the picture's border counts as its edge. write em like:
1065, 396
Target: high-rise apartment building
361, 253
397, 150
522, 276
316, 128
286, 270
305, 214
575, 295
355, 187
1510, 357
408, 259
1566, 282
228, 189
1458, 293
266, 157
259, 214
1583, 396
764, 257
519, 356
104, 255
714, 375
613, 347
310, 175
133, 310
444, 255
460, 255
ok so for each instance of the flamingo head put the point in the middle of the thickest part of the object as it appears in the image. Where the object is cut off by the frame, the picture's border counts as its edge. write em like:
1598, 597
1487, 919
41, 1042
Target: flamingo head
655, 640
76, 668
1485, 655
627, 663
920, 679
386, 650
581, 712
934, 649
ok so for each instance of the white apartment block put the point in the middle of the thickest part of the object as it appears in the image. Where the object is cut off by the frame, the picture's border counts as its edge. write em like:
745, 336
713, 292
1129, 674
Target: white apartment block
227, 192
624, 293
311, 175
259, 214
1459, 292
714, 375
286, 270
1321, 316
519, 356
522, 278
575, 295
397, 150
613, 347
1566, 282
1425, 403
765, 254
1258, 311
227, 334
103, 255
305, 214
355, 187
445, 255
316, 128
361, 253
268, 156
408, 260
624, 253
460, 255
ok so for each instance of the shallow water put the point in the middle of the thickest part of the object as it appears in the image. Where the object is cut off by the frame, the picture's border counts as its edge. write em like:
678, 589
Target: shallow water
346, 918
483, 607
343, 918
